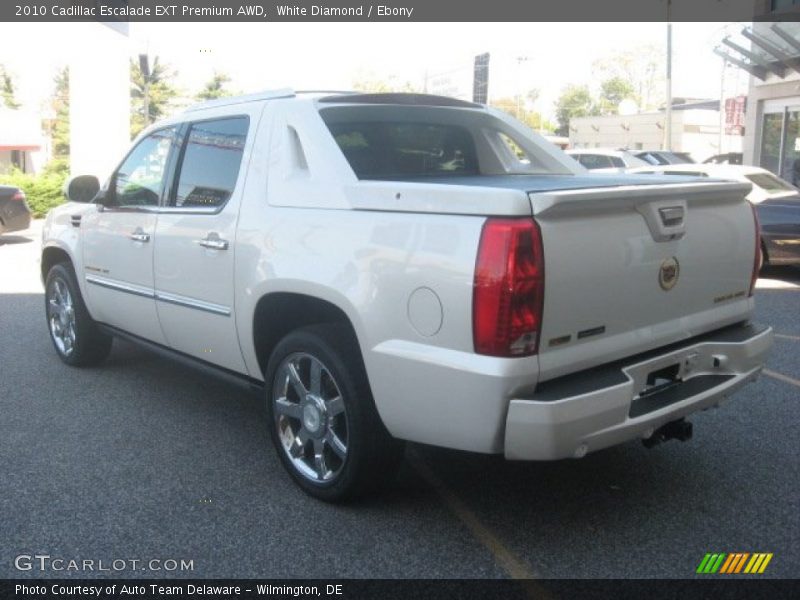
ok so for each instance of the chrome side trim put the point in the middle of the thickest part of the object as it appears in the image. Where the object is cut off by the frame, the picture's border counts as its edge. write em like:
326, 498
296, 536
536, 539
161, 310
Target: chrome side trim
217, 309
121, 287
210, 307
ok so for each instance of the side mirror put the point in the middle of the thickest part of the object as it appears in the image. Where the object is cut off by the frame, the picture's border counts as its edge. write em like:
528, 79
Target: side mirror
82, 188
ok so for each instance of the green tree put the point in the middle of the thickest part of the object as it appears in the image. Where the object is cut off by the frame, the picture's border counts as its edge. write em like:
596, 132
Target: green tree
155, 91
215, 88
574, 101
612, 92
59, 127
7, 90
368, 82
643, 67
519, 110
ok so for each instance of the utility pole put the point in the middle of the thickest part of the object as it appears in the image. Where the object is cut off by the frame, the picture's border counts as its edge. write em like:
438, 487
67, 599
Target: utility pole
144, 67
668, 115
722, 104
520, 60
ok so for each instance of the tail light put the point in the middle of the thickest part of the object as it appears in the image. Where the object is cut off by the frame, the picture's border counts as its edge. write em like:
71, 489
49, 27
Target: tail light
757, 255
19, 195
508, 292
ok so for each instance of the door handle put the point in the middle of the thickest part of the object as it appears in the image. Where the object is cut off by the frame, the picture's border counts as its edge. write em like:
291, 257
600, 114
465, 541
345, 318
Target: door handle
140, 236
213, 242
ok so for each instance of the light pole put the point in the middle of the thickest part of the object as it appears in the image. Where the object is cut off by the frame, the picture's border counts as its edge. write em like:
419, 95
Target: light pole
520, 60
668, 115
144, 67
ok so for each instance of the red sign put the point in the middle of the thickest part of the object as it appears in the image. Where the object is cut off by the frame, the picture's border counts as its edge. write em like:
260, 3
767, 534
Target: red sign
734, 115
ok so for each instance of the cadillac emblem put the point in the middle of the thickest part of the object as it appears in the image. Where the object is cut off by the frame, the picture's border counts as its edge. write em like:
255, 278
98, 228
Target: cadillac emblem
668, 273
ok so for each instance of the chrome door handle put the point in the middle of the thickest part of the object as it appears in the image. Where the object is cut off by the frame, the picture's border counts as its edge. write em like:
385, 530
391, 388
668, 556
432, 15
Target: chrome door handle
140, 236
213, 242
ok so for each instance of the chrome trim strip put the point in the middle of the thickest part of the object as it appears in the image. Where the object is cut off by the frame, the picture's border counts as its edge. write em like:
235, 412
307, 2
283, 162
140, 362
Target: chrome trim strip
217, 309
120, 287
210, 307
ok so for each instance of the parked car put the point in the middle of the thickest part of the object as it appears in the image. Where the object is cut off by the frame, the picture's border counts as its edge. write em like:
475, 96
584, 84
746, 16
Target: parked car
14, 212
385, 267
777, 204
605, 160
729, 158
665, 157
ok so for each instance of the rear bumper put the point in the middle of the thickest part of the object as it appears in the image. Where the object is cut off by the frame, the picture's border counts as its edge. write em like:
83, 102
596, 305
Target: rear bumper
601, 407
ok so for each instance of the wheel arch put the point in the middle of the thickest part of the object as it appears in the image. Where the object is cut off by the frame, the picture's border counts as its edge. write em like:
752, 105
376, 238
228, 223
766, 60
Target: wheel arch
52, 255
278, 313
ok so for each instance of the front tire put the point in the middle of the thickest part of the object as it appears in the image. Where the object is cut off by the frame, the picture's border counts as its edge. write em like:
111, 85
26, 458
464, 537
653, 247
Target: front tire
322, 416
75, 335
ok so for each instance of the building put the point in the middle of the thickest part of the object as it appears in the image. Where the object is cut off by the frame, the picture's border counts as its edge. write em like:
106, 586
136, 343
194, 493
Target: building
22, 145
99, 86
770, 53
695, 129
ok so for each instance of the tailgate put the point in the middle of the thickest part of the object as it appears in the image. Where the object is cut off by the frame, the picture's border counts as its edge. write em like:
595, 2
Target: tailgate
629, 269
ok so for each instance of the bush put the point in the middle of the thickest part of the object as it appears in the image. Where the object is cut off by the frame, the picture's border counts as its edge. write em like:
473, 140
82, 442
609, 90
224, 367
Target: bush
43, 191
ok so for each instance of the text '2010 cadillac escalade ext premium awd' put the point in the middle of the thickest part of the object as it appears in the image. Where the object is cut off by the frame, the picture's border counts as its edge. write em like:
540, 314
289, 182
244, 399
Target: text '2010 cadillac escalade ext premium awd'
410, 267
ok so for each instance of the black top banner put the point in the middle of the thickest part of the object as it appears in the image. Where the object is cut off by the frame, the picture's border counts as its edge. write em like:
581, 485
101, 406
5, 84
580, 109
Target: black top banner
398, 10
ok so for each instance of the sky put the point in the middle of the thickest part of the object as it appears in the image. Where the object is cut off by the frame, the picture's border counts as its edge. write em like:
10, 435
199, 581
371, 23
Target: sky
258, 56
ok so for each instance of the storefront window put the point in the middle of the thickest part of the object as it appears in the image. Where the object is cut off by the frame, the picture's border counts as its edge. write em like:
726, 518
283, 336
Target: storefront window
791, 153
771, 141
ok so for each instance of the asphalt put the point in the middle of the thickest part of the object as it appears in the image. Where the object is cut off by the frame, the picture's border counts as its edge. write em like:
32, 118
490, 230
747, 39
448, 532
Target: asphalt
145, 459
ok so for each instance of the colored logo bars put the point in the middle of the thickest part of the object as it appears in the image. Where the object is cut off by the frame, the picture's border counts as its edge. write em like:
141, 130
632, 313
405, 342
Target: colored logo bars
737, 562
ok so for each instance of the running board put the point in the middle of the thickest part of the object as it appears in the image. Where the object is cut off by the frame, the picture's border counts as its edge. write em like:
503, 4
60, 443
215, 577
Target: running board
242, 381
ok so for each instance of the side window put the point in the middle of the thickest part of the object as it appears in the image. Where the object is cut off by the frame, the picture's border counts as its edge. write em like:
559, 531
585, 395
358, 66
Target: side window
140, 179
210, 162
595, 161
617, 162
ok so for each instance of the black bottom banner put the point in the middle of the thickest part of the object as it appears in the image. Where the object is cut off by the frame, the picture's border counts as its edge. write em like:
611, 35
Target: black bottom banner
384, 589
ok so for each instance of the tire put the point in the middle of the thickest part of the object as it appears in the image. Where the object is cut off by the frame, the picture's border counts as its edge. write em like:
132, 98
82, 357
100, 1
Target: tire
75, 335
332, 417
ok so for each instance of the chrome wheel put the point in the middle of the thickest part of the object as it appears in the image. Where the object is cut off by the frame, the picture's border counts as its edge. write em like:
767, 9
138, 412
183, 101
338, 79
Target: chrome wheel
61, 313
310, 417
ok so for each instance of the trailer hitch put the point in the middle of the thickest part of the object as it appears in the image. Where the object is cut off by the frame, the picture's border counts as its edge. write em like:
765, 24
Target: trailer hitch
677, 430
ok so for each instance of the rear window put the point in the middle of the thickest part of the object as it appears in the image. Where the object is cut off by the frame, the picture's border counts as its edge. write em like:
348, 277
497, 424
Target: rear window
379, 149
770, 182
617, 162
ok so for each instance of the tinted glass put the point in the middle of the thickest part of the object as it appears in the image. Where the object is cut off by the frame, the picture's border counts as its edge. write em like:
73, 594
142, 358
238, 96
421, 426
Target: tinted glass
617, 162
770, 182
595, 161
210, 165
385, 150
140, 179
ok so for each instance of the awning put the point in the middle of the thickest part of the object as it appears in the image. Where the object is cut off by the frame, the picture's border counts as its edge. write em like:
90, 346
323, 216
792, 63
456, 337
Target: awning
764, 48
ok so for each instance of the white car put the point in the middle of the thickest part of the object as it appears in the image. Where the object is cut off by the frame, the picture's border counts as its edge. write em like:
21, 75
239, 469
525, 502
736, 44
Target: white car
387, 267
606, 160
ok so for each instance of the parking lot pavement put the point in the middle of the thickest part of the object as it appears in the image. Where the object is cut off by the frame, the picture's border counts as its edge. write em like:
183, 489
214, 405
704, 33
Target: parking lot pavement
144, 459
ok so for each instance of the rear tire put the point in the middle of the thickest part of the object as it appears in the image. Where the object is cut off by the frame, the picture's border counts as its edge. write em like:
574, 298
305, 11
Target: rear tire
75, 335
322, 417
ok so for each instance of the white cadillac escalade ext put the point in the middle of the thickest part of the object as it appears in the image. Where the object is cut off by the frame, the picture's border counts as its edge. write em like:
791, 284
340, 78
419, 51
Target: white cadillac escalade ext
410, 267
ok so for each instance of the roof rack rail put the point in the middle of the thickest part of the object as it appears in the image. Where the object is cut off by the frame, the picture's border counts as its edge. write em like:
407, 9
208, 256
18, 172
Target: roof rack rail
343, 92
265, 95
404, 98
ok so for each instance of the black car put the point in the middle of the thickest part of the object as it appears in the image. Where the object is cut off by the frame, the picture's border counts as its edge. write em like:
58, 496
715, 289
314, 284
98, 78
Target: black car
14, 212
729, 158
665, 157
